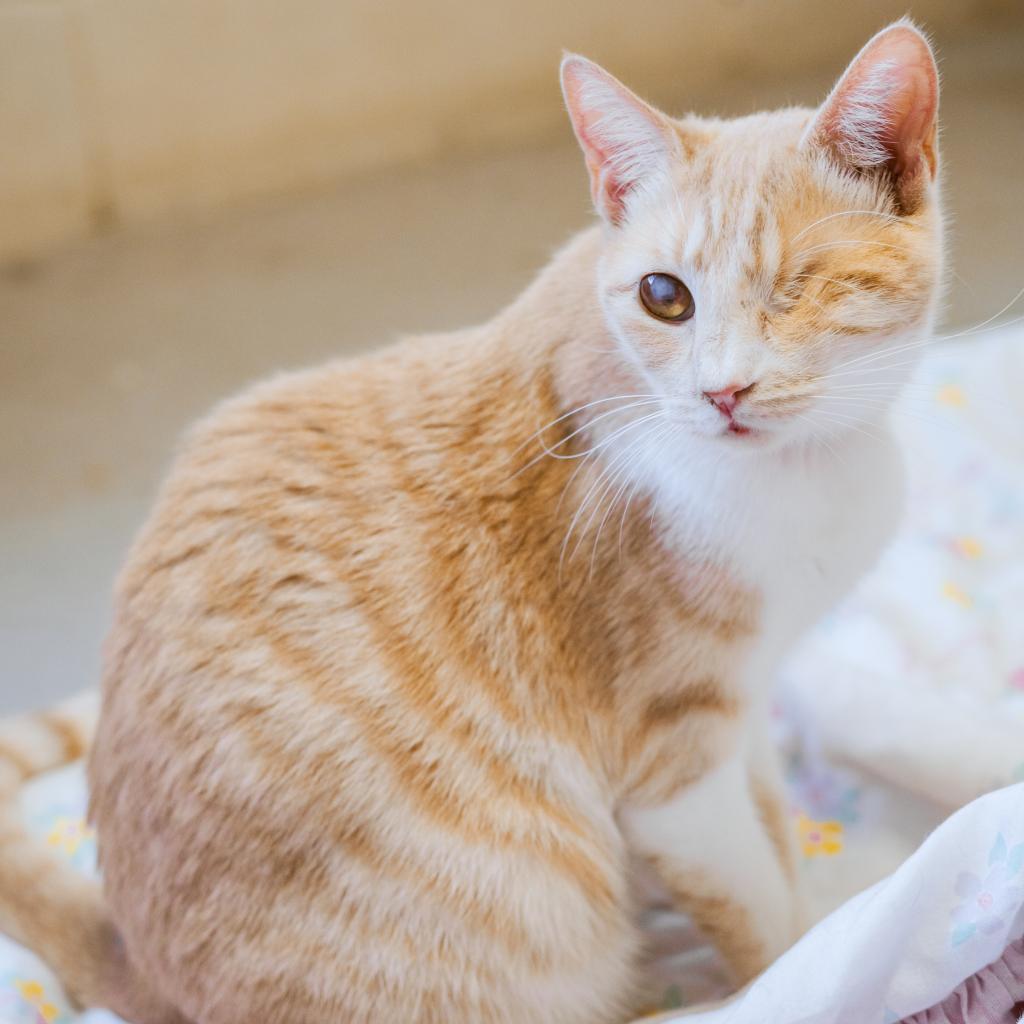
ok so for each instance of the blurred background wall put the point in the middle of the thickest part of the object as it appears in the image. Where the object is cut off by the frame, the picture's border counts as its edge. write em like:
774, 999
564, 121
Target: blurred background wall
117, 110
196, 193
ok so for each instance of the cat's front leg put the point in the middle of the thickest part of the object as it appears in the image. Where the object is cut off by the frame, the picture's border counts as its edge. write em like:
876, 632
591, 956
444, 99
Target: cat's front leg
712, 846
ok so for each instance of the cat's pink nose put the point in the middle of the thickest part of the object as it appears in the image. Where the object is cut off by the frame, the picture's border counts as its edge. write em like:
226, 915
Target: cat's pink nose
726, 399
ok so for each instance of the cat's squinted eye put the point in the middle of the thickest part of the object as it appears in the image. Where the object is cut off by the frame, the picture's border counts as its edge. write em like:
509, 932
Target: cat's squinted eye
666, 298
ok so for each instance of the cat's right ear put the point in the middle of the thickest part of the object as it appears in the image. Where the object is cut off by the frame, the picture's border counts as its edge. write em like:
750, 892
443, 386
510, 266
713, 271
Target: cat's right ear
626, 142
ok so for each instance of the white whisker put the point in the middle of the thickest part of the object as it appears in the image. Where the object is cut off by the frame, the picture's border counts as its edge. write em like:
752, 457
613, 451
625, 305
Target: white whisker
843, 213
551, 450
860, 373
829, 280
623, 475
882, 405
821, 439
879, 354
848, 241
605, 480
574, 412
986, 325
605, 440
850, 423
602, 476
619, 466
651, 437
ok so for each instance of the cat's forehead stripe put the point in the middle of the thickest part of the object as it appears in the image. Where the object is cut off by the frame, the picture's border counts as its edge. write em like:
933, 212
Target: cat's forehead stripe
733, 227
695, 236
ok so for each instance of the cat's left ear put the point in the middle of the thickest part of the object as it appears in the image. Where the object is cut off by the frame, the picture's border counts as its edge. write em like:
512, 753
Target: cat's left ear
626, 142
881, 118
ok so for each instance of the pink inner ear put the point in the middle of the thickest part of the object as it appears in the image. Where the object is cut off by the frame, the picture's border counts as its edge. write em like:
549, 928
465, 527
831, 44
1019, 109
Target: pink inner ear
620, 135
607, 187
605, 190
883, 111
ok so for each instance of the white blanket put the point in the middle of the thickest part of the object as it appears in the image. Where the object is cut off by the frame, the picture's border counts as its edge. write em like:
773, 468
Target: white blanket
920, 676
904, 944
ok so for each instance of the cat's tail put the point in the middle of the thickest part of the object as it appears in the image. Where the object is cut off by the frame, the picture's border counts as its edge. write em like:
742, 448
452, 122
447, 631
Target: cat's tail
40, 741
46, 906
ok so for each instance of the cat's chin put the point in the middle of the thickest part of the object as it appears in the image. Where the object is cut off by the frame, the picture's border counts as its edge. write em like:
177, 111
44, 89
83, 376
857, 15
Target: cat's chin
739, 435
742, 438
738, 430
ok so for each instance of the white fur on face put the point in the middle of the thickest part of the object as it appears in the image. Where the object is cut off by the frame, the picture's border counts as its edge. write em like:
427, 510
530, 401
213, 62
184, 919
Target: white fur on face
756, 320
810, 240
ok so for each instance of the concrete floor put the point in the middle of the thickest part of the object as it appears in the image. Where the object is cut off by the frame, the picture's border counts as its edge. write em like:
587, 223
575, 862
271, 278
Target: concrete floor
108, 350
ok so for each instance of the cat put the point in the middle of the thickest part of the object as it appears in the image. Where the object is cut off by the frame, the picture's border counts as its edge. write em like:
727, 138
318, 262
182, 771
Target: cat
419, 652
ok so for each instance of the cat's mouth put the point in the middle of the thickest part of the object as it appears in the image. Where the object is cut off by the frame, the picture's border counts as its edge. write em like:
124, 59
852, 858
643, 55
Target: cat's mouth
734, 428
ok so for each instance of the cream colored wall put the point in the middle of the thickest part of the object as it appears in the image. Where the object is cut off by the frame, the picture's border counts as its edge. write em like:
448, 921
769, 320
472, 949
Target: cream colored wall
113, 111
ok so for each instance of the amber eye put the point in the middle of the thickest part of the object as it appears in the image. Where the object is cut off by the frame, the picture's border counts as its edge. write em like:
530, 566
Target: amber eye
666, 297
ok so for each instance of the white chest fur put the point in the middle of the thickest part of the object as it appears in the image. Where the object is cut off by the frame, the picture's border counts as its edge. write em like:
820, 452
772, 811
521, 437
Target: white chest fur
798, 527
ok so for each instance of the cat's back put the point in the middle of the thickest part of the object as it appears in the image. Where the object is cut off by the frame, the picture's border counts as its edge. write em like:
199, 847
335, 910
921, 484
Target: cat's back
293, 468
284, 694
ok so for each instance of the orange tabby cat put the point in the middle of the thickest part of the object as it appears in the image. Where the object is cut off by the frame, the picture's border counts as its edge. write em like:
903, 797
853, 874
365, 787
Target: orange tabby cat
418, 652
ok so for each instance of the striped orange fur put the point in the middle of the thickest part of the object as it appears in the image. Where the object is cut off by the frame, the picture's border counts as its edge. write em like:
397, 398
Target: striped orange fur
418, 652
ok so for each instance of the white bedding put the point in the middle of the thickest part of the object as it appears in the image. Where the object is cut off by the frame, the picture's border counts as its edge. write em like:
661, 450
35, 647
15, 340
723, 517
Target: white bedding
907, 703
920, 677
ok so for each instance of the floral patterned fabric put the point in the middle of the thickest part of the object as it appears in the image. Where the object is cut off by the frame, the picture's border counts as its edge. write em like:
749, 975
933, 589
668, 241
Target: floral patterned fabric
901, 946
54, 808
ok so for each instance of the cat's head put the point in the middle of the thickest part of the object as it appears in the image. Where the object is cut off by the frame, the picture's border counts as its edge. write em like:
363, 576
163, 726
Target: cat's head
771, 276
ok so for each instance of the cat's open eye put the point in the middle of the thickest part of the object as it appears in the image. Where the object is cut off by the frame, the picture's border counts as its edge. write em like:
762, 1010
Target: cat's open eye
666, 297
